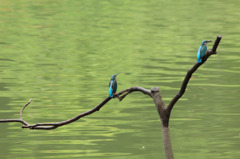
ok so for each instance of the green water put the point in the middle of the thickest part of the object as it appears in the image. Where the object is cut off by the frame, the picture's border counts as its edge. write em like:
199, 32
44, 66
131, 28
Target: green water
63, 53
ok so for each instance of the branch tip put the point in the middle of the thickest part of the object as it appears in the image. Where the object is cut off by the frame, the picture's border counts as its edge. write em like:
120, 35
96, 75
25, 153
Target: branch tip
217, 41
21, 112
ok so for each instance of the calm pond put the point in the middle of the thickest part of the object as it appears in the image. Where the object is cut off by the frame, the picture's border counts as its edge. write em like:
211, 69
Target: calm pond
63, 53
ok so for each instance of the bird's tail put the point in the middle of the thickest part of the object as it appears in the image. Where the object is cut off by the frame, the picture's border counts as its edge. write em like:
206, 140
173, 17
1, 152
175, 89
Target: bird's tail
110, 92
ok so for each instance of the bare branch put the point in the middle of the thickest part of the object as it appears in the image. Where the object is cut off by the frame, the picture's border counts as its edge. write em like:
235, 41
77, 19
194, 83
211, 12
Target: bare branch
13, 120
125, 92
49, 126
163, 111
191, 71
21, 112
214, 48
18, 120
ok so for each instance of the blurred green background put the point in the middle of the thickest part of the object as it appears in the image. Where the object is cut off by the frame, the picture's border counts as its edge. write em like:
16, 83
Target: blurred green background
63, 53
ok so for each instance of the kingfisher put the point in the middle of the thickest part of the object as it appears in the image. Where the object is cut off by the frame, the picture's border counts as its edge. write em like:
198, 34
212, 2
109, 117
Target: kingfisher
113, 85
202, 50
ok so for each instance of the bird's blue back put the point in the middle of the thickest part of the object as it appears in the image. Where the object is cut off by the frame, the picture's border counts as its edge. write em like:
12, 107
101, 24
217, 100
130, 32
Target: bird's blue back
111, 89
112, 85
201, 52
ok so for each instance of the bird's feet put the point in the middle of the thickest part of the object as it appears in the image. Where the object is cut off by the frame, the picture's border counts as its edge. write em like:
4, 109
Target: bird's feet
115, 95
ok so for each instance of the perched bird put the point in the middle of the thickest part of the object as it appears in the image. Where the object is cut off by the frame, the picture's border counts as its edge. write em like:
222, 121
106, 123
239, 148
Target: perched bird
202, 50
113, 85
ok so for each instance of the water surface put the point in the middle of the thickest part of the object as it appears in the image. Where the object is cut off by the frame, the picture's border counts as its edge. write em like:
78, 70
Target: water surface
63, 53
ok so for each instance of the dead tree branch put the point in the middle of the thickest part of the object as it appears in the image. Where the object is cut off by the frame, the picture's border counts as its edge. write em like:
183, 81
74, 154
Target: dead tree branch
191, 71
48, 126
163, 111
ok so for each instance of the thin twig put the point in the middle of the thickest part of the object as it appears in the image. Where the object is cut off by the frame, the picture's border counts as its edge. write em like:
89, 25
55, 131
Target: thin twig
21, 112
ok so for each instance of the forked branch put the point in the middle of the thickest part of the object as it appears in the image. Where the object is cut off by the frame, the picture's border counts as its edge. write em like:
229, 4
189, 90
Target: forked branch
164, 112
48, 126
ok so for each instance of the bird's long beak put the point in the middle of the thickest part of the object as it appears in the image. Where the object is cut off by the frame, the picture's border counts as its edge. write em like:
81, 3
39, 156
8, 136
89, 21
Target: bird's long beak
116, 74
208, 41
